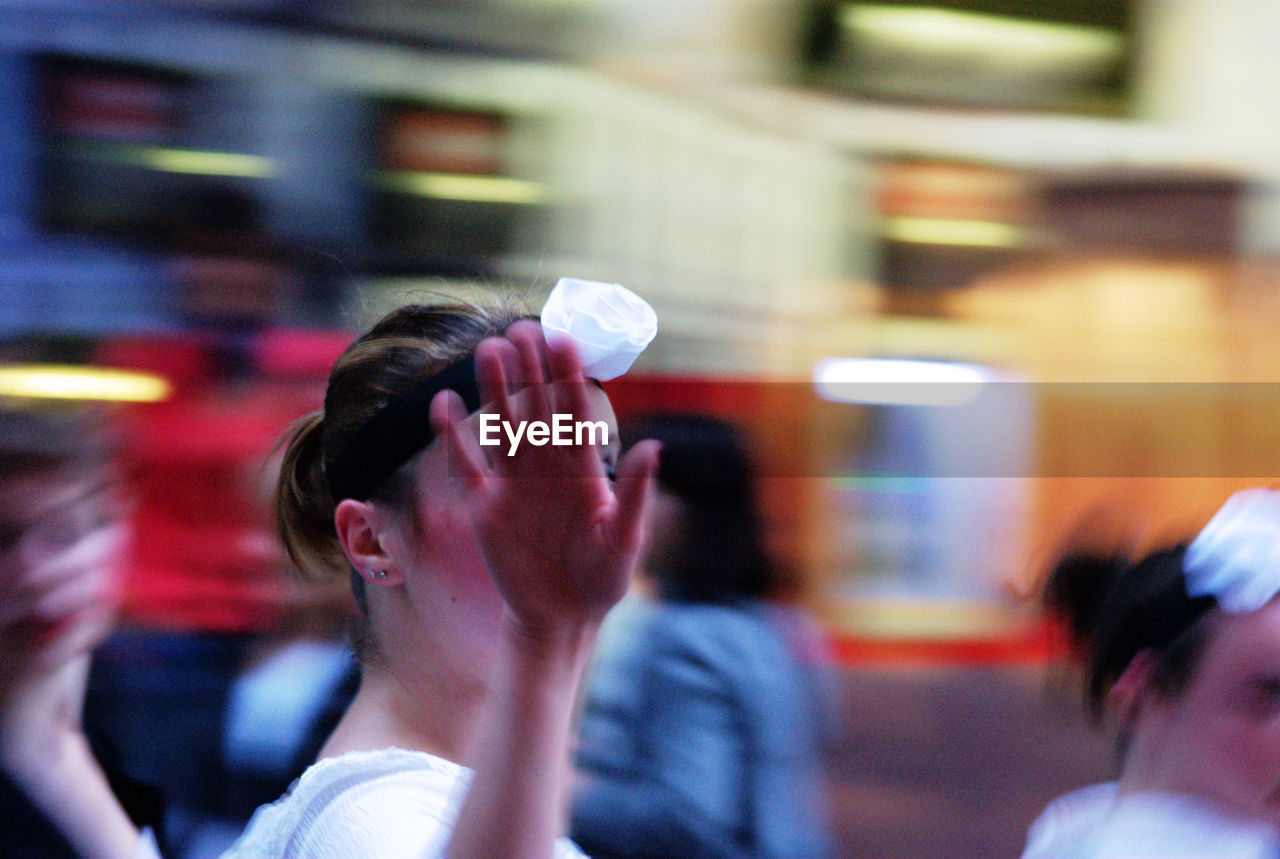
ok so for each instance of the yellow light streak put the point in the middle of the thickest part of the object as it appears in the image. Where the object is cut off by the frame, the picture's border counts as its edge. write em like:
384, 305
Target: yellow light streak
946, 231
69, 382
455, 186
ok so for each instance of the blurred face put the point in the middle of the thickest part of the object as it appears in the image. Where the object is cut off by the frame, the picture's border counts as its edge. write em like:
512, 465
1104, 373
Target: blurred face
1222, 733
60, 545
663, 531
447, 578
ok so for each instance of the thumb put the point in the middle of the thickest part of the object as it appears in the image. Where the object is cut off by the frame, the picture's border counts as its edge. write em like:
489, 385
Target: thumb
635, 485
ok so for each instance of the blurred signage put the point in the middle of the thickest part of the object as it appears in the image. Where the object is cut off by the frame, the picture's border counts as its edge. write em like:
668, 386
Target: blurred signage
115, 156
112, 103
442, 201
945, 224
927, 189
423, 139
1147, 212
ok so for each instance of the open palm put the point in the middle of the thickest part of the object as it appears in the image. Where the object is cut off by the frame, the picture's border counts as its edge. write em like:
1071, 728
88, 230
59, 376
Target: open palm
560, 543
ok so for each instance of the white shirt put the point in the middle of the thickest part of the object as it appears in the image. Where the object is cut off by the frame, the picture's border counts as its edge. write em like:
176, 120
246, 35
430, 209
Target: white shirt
1097, 823
386, 804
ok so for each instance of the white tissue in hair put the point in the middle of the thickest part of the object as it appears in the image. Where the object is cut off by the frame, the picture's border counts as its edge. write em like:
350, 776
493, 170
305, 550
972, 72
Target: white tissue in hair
609, 324
1236, 558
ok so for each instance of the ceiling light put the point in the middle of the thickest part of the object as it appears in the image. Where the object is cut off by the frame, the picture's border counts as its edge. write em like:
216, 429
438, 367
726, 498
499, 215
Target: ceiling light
889, 382
952, 31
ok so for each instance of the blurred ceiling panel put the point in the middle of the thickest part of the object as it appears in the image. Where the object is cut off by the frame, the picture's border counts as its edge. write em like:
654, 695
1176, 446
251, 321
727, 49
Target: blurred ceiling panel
1019, 54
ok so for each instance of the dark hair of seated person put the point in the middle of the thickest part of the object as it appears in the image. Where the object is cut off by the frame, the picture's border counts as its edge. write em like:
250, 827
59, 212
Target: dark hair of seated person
720, 553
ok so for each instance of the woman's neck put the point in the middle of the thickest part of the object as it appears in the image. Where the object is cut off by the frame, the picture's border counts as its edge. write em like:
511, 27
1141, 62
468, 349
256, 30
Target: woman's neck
410, 708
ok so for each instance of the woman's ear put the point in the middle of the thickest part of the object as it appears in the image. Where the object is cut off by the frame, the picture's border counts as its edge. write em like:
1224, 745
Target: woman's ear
360, 529
1131, 689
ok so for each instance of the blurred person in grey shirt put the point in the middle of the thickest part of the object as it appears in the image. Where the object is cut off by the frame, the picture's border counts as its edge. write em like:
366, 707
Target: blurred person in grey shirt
702, 731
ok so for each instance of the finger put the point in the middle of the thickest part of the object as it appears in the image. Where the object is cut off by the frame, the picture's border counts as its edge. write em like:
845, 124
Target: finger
98, 549
498, 372
569, 382
55, 645
29, 575
13, 608
498, 364
526, 336
466, 460
635, 485
77, 594
511, 362
80, 634
32, 575
563, 360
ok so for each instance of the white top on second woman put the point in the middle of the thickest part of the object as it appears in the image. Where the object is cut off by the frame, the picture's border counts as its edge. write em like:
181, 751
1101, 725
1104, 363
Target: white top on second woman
1095, 823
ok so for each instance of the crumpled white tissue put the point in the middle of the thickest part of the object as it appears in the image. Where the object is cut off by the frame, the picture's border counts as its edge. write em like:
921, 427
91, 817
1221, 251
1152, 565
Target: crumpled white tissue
1236, 558
610, 324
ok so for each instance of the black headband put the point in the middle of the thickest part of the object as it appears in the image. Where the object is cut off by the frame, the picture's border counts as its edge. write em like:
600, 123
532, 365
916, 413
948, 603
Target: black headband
396, 432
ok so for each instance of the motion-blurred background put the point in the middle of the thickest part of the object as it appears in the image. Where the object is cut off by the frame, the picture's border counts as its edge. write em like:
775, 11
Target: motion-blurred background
1057, 222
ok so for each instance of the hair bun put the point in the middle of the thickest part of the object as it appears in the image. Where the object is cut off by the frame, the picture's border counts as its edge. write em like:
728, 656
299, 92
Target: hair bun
1076, 590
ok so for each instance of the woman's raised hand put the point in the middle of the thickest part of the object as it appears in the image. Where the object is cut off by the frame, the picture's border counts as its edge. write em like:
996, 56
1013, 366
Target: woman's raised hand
561, 545
560, 542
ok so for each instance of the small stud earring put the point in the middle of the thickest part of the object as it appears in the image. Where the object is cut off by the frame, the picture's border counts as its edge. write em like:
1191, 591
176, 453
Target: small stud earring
378, 574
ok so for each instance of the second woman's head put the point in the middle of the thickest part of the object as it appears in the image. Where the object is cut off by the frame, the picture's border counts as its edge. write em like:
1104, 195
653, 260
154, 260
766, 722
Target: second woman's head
1183, 648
